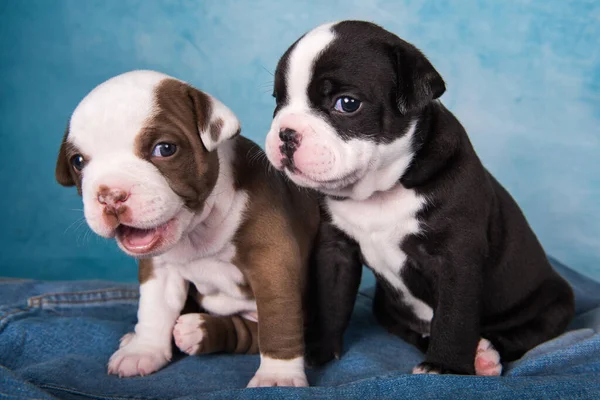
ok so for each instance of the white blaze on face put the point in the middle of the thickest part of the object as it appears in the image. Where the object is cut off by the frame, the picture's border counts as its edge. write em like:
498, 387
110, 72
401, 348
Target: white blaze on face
301, 64
104, 128
323, 160
297, 112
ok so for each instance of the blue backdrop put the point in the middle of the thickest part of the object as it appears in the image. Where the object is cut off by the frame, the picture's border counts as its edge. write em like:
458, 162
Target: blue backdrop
522, 76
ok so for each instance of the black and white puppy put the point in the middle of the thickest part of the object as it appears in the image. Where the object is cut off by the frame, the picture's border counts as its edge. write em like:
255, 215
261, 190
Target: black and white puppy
459, 271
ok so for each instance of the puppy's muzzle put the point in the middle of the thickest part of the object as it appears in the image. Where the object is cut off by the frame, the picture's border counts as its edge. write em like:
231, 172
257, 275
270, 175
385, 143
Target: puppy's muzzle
290, 142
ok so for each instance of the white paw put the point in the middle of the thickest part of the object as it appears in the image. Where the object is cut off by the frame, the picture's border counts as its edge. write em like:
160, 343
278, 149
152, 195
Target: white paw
275, 379
137, 357
273, 372
487, 359
188, 333
418, 370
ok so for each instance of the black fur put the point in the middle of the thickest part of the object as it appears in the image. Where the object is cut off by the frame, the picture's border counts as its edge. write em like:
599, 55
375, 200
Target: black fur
335, 276
477, 262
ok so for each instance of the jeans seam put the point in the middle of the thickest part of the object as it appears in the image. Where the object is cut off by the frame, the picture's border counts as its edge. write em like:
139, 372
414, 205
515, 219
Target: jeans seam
51, 302
40, 300
92, 395
5, 318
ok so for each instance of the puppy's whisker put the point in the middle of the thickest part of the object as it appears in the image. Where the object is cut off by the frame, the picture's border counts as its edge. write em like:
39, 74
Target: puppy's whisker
269, 72
77, 222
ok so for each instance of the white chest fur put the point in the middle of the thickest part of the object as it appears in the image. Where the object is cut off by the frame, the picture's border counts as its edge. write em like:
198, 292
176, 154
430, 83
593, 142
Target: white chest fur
220, 282
379, 224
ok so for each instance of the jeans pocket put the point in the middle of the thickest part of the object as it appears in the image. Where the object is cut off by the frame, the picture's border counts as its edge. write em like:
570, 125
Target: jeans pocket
111, 303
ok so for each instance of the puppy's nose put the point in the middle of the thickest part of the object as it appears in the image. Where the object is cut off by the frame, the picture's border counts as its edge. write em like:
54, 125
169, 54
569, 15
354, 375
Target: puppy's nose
112, 197
288, 135
290, 142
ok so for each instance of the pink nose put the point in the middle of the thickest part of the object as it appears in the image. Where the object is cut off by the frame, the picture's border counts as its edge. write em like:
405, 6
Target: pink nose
111, 197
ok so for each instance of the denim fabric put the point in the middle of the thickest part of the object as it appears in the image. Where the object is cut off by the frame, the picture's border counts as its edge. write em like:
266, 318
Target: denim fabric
56, 338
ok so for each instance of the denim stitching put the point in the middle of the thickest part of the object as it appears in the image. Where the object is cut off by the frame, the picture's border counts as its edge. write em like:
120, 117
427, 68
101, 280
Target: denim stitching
51, 298
52, 302
38, 302
5, 318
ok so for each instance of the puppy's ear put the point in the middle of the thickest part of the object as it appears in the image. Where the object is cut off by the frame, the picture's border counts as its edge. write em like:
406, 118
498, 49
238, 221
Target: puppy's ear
216, 122
63, 172
418, 82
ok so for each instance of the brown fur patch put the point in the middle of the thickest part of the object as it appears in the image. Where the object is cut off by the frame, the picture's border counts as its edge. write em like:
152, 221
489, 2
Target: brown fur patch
145, 270
230, 334
64, 172
182, 112
215, 129
273, 250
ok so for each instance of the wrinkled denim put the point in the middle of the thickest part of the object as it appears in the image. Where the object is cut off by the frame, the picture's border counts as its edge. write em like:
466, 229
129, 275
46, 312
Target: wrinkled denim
56, 338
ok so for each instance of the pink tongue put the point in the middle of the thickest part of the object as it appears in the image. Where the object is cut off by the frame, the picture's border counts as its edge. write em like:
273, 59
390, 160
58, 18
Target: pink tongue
140, 237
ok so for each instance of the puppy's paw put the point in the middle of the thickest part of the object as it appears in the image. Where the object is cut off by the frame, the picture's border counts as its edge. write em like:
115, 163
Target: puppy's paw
137, 357
273, 372
487, 359
269, 380
322, 352
189, 333
431, 369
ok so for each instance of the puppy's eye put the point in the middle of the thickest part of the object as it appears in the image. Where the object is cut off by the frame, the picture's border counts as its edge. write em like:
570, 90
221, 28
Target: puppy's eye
164, 150
347, 104
78, 162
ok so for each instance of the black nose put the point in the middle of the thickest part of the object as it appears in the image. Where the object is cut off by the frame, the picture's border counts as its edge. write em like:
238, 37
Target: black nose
287, 135
290, 140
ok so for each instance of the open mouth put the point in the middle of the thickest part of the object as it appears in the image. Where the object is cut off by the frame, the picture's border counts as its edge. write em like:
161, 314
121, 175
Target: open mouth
141, 241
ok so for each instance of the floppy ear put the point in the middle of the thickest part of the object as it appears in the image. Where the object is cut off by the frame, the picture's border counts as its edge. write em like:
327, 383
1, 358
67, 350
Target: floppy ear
63, 167
418, 82
216, 122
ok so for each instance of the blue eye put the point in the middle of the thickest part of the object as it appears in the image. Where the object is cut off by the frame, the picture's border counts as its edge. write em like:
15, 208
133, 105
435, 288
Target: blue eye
164, 150
346, 104
78, 162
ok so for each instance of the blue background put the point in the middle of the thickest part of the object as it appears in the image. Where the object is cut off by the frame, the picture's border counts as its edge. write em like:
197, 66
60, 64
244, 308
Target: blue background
522, 76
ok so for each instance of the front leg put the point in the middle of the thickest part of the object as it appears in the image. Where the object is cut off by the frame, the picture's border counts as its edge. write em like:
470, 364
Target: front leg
455, 328
148, 348
332, 288
276, 277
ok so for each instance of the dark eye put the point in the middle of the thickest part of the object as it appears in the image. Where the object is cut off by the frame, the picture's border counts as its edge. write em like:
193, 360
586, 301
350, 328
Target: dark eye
346, 104
164, 150
78, 162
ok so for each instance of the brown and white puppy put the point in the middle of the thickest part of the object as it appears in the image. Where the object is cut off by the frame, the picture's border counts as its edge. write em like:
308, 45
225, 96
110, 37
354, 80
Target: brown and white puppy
161, 167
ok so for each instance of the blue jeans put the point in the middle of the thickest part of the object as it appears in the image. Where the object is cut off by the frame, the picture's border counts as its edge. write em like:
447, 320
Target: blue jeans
56, 338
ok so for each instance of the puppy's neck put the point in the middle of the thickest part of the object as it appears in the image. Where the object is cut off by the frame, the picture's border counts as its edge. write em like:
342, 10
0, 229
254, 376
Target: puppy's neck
222, 196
